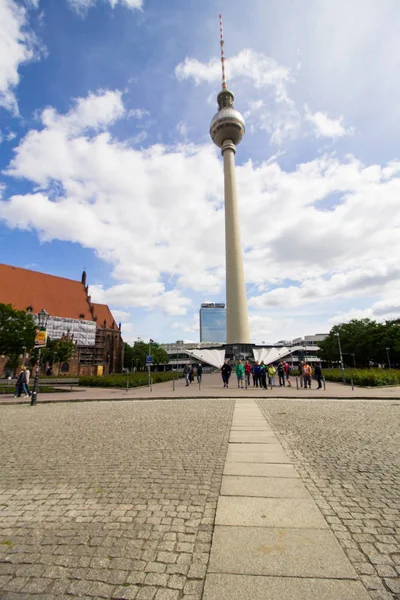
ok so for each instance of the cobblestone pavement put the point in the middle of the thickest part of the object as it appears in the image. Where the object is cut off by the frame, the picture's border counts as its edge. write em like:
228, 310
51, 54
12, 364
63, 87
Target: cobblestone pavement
348, 454
109, 500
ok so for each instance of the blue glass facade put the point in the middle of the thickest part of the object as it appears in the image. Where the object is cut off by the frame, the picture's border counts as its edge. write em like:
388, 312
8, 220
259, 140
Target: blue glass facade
213, 323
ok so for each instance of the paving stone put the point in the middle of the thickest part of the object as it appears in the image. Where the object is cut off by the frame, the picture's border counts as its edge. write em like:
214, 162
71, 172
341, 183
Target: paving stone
278, 552
266, 487
234, 587
268, 512
260, 470
95, 516
350, 461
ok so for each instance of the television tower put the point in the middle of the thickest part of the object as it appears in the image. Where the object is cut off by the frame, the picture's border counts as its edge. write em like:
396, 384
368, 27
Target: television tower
227, 129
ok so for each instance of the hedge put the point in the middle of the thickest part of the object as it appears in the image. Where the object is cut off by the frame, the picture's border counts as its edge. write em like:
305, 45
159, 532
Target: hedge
364, 377
135, 379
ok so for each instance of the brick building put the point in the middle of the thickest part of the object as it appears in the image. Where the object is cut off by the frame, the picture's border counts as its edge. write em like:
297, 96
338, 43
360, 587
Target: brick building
91, 326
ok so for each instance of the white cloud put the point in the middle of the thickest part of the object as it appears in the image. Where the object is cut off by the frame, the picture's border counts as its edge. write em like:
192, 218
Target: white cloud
324, 126
155, 215
137, 113
82, 6
18, 45
96, 111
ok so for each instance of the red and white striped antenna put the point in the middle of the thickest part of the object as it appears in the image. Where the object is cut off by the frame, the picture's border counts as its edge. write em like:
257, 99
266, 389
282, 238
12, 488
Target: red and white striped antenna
221, 31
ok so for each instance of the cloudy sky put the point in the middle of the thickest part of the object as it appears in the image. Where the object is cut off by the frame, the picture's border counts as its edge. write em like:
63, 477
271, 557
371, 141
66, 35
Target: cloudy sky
106, 162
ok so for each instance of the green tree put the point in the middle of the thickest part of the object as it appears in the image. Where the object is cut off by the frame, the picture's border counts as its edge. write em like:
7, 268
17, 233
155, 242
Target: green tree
60, 350
141, 349
17, 333
128, 356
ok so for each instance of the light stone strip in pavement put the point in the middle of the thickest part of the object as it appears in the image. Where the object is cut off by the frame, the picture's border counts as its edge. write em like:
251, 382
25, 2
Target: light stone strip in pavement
270, 538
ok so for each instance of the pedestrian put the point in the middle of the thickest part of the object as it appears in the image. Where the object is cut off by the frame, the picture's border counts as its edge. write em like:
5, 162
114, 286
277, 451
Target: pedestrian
28, 376
307, 372
318, 375
20, 386
271, 375
226, 371
263, 375
240, 373
301, 373
186, 372
256, 374
199, 373
281, 374
191, 374
288, 370
247, 371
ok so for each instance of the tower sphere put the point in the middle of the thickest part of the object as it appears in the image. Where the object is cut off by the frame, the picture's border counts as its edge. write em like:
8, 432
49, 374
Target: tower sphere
228, 123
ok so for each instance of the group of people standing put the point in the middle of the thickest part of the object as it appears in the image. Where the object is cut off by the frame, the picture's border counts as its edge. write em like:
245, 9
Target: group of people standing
264, 375
189, 372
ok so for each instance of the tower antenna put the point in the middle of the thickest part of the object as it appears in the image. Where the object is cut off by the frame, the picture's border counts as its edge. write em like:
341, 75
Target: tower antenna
221, 31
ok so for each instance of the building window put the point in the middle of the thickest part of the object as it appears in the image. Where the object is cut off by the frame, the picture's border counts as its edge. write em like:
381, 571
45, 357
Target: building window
65, 367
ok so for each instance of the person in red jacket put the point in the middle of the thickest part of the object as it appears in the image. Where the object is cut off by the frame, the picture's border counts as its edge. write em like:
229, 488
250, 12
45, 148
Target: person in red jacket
247, 371
288, 370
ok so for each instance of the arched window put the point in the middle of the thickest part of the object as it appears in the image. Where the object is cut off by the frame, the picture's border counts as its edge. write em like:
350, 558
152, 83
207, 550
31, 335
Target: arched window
65, 367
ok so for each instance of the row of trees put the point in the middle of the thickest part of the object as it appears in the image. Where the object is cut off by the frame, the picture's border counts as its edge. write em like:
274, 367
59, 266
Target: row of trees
364, 343
135, 356
17, 337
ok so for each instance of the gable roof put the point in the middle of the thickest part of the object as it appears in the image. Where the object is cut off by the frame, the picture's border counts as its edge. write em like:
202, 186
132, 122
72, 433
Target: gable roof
103, 313
61, 297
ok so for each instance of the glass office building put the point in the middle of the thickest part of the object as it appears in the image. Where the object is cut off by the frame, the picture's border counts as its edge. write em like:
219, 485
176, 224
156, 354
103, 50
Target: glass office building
213, 323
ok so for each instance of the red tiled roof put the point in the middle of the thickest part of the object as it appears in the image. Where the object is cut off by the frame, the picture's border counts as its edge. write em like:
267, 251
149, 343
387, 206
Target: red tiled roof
103, 313
61, 297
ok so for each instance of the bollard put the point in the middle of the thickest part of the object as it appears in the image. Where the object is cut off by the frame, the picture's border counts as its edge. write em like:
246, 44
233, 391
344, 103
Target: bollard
323, 379
297, 383
352, 384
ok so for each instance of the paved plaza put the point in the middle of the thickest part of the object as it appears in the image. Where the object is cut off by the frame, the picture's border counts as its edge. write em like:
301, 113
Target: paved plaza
201, 498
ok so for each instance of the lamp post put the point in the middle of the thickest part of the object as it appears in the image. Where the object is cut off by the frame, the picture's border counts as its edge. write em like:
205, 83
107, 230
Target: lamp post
354, 360
388, 357
43, 317
341, 356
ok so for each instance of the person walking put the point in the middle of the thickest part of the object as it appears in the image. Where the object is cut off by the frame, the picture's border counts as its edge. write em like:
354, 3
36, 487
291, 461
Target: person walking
288, 370
186, 372
240, 373
247, 371
226, 371
271, 375
199, 373
28, 376
20, 386
307, 372
301, 373
281, 374
318, 375
191, 374
263, 375
256, 374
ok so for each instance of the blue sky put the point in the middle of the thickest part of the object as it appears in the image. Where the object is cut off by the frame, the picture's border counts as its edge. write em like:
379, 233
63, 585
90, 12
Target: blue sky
106, 162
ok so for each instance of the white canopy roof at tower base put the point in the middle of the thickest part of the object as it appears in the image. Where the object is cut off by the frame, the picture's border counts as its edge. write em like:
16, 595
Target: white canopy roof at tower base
212, 357
271, 355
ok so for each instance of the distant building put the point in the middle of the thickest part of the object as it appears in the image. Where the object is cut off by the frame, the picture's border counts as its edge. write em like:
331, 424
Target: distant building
72, 313
213, 322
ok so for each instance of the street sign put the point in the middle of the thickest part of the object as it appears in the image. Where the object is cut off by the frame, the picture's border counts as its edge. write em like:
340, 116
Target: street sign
149, 359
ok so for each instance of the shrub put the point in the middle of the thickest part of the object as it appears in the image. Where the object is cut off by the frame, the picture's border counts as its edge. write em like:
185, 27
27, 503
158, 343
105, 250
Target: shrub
135, 379
364, 377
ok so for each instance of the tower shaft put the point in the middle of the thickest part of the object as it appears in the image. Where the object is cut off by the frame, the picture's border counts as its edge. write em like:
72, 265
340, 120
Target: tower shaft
237, 321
